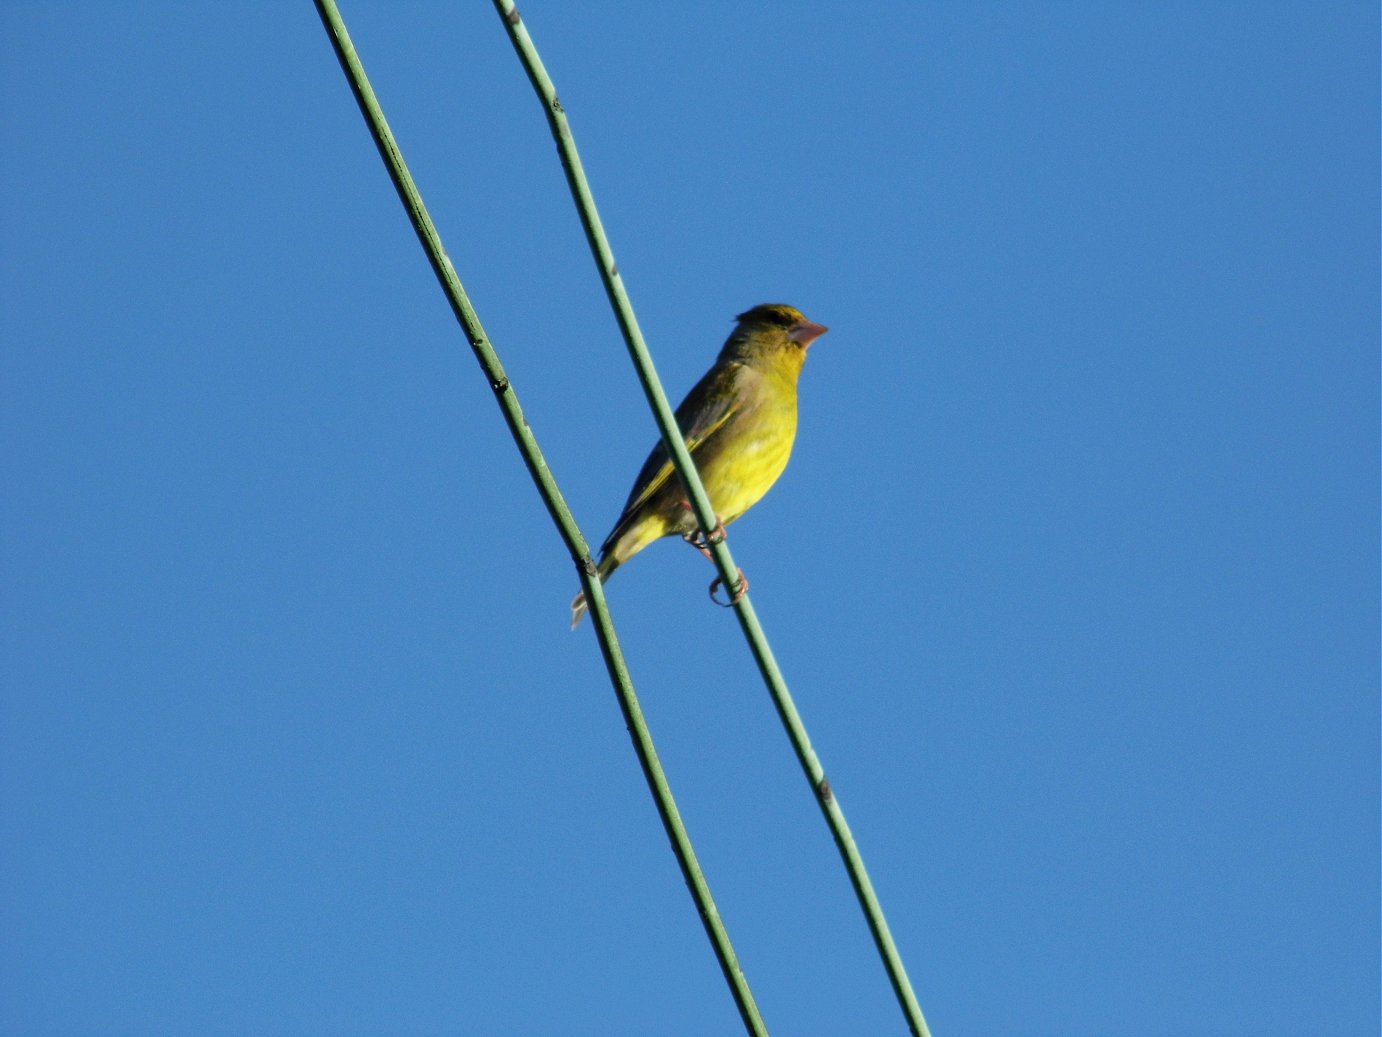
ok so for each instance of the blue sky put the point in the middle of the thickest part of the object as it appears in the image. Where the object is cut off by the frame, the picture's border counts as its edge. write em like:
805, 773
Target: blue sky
1074, 573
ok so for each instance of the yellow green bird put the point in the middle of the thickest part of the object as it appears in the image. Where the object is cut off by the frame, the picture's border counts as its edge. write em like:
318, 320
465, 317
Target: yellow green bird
739, 423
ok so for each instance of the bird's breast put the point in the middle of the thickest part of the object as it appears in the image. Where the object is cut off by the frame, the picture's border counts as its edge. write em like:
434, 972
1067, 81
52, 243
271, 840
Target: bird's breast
751, 459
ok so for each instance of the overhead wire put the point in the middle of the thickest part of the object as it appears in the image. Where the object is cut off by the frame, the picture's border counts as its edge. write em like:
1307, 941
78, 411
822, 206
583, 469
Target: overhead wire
559, 124
552, 498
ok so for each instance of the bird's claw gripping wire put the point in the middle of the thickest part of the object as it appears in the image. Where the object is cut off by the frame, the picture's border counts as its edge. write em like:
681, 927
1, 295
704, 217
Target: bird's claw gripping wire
717, 583
702, 541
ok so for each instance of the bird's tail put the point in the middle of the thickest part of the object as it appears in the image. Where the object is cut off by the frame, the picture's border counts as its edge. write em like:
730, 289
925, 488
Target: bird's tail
607, 565
631, 535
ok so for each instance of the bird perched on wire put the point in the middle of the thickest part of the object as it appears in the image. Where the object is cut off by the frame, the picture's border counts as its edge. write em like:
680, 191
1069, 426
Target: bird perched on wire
739, 423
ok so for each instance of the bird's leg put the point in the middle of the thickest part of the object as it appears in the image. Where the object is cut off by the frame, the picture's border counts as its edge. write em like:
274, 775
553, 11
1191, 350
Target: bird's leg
698, 541
702, 542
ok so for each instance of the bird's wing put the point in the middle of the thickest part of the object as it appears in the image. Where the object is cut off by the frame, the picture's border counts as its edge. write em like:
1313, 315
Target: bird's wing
707, 407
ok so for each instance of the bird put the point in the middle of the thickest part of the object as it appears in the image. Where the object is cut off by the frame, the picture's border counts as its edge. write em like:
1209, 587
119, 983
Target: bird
739, 422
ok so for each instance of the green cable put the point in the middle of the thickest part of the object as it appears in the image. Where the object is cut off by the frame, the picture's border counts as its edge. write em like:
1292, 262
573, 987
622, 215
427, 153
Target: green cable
556, 507
705, 513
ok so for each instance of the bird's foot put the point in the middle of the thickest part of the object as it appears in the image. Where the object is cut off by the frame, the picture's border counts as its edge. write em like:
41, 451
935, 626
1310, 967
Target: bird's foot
736, 592
702, 541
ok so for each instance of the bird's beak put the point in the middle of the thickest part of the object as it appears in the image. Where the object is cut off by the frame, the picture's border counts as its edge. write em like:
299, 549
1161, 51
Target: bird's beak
804, 332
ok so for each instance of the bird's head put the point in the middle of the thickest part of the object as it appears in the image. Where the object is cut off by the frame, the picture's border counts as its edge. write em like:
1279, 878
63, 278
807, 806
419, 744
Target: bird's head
772, 330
